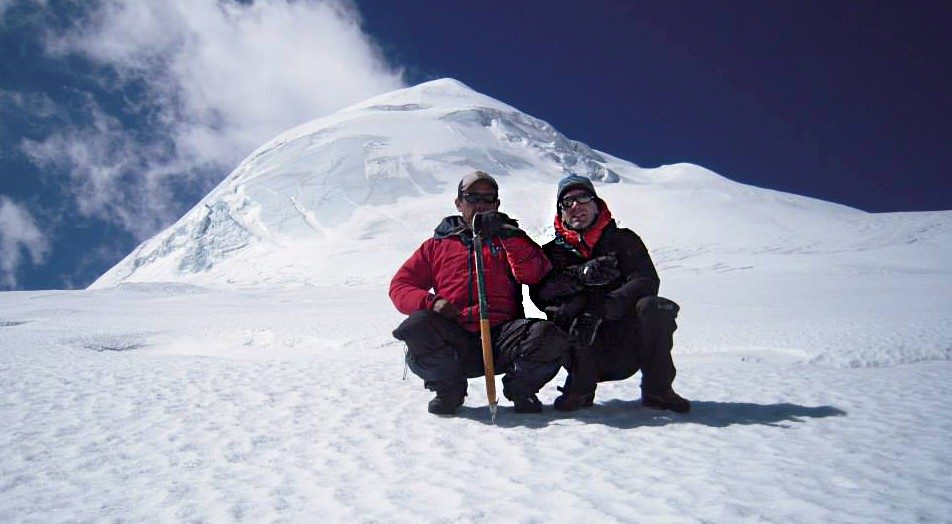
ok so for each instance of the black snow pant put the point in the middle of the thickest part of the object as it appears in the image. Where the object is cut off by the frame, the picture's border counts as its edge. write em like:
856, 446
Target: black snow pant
641, 340
528, 351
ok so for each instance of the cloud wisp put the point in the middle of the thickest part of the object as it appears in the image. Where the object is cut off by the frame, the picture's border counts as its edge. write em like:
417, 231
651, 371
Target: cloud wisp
19, 236
187, 89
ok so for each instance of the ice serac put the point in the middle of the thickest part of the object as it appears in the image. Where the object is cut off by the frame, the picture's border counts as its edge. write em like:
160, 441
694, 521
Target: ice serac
345, 198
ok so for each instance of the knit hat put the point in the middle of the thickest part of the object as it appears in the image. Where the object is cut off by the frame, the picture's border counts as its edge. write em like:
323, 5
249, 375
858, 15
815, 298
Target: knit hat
574, 182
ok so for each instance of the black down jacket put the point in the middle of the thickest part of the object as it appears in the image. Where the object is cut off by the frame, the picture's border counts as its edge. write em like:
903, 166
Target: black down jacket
560, 287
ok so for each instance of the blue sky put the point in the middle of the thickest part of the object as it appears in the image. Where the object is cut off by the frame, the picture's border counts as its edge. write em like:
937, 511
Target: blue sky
116, 117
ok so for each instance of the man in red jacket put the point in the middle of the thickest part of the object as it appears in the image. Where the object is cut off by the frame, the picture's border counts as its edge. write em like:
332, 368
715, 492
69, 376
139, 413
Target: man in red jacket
437, 288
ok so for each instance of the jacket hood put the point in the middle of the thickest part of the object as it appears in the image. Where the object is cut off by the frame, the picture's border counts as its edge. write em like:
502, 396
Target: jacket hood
451, 226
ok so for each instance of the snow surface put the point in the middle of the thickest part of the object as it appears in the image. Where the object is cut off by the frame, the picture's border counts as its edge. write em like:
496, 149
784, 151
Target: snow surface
166, 403
239, 365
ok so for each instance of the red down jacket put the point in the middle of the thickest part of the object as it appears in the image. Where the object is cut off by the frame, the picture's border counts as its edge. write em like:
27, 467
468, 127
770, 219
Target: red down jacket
443, 267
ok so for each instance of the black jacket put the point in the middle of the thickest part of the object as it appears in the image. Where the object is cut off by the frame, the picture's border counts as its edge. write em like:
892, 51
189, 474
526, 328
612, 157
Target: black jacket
561, 288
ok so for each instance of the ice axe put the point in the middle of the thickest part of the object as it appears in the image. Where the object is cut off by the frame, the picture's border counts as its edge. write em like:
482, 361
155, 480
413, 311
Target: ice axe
485, 336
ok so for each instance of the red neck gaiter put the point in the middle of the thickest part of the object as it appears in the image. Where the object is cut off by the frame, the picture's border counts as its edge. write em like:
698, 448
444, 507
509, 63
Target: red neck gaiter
585, 241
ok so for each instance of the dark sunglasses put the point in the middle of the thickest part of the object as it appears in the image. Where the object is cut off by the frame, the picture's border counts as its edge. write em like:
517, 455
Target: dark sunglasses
480, 198
567, 202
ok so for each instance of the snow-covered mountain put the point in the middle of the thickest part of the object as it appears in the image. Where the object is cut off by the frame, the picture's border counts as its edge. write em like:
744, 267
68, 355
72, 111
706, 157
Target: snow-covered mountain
345, 198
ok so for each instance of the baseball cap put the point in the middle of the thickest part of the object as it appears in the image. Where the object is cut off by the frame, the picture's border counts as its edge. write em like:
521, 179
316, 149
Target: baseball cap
470, 179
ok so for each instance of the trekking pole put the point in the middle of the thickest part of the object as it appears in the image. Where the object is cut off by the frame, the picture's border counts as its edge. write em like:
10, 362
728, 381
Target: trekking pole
485, 336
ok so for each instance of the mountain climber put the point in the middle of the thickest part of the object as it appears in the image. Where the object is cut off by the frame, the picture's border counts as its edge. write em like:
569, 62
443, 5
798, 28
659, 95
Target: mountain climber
437, 288
603, 289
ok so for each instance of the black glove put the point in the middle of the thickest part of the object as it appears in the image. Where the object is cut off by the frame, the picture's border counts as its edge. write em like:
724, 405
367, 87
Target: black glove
598, 271
585, 328
490, 223
564, 313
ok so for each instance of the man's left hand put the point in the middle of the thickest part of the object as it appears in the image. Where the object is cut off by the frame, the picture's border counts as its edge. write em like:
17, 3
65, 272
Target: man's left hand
599, 271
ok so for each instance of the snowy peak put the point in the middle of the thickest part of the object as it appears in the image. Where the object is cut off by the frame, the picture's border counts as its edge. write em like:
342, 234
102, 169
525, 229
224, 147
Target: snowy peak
346, 197
445, 93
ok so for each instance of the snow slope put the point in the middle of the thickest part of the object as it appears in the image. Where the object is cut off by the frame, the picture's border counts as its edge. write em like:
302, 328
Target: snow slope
239, 365
340, 199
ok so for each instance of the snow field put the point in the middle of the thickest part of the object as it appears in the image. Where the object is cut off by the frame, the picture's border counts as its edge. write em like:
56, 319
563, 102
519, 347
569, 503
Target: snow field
170, 403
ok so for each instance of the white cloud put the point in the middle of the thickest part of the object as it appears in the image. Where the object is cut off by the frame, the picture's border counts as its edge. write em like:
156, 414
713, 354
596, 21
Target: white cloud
219, 79
113, 178
37, 105
18, 233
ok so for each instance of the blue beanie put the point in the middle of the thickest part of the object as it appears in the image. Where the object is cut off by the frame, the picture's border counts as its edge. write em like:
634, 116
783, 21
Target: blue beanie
574, 181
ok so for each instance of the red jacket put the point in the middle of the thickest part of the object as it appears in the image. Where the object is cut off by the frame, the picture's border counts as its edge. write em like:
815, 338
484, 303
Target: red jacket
443, 267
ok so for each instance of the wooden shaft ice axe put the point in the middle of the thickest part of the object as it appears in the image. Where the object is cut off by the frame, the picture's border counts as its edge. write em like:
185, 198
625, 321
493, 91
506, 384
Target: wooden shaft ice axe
485, 336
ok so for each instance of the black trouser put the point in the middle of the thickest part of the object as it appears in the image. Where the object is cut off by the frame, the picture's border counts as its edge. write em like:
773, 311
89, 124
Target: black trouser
529, 351
642, 340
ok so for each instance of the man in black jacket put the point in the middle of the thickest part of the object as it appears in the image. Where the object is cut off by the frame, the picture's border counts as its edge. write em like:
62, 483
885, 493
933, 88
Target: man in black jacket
603, 289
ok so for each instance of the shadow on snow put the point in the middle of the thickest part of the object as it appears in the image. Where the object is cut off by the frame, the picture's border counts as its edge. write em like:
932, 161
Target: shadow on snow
628, 414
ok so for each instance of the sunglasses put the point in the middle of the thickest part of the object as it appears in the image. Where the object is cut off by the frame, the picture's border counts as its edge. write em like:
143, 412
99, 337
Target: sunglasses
480, 198
567, 202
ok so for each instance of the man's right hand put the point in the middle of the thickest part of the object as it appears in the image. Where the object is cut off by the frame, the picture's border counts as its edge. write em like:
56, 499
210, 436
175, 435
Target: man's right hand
446, 308
564, 313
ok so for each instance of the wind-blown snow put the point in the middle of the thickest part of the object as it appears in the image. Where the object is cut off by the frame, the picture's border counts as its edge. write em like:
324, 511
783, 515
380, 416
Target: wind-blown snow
240, 366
